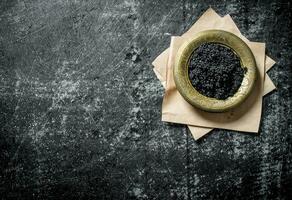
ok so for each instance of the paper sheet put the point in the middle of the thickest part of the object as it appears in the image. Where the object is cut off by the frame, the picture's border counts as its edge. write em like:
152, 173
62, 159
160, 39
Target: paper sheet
208, 20
245, 117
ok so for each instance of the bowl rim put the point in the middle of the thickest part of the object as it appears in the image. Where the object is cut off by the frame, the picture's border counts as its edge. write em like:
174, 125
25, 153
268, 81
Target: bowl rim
181, 76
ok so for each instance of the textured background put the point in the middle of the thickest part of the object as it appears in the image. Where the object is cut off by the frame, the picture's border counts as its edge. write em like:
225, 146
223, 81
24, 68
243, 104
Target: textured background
80, 105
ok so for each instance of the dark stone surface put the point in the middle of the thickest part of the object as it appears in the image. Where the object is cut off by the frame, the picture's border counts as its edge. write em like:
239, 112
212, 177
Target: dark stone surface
81, 107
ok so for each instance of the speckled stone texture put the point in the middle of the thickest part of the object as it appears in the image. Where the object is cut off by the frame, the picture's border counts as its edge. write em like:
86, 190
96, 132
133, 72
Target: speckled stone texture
80, 105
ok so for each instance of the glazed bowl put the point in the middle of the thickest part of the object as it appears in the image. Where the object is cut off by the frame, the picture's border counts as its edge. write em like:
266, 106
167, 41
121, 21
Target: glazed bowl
183, 83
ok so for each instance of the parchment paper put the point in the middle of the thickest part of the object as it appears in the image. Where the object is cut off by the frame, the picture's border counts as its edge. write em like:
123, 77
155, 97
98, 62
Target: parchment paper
209, 20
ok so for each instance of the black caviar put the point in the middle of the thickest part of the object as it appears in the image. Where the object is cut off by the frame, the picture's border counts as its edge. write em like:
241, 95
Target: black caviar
215, 71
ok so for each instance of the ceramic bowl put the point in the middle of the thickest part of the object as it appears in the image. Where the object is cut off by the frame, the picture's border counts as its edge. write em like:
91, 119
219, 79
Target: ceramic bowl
183, 83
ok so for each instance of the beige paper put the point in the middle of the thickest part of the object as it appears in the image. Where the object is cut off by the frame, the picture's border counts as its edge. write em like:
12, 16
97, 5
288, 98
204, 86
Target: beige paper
206, 20
269, 63
160, 64
268, 83
246, 117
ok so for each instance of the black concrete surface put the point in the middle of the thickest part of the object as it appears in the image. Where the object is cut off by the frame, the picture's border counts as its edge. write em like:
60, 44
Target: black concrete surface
80, 107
